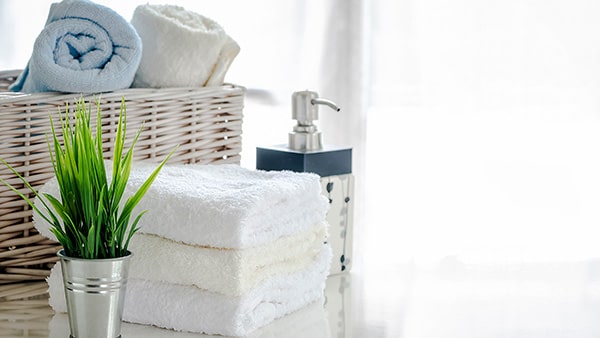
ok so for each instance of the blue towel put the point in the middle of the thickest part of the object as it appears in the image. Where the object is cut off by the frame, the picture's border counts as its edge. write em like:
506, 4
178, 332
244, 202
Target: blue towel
83, 48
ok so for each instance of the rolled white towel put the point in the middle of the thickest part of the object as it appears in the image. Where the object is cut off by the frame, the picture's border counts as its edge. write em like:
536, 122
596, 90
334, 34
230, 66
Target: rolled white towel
181, 48
226, 271
187, 308
222, 206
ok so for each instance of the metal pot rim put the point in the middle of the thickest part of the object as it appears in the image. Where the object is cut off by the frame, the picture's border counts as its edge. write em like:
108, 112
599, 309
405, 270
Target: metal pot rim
62, 255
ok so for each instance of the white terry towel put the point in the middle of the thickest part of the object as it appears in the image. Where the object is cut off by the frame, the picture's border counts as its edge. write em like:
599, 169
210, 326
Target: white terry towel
187, 308
181, 48
223, 206
226, 271
310, 321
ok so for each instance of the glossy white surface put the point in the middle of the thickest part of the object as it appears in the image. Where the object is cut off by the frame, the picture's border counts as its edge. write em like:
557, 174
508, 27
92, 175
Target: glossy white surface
448, 300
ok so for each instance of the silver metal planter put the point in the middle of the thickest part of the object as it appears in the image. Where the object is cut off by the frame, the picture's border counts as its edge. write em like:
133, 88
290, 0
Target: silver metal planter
95, 293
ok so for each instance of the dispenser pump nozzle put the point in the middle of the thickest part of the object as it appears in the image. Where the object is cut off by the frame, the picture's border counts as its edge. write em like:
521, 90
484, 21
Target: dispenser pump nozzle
305, 110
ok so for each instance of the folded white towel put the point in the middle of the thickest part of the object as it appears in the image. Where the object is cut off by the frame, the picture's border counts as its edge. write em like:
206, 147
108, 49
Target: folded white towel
310, 321
226, 271
223, 206
181, 48
84, 47
187, 308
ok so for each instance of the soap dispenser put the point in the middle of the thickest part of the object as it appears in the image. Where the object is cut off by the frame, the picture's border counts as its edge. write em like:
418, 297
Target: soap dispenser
305, 152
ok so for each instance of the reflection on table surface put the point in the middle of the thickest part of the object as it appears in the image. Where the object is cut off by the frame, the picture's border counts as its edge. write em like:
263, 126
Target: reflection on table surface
450, 300
33, 317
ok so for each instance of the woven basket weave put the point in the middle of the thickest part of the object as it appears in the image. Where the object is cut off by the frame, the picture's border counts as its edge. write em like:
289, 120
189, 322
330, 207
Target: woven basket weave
206, 123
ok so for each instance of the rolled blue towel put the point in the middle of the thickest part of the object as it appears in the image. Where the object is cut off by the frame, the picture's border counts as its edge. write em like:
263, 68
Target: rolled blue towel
83, 48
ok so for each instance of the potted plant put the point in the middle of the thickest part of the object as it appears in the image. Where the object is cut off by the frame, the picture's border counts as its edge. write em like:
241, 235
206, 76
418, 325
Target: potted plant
91, 219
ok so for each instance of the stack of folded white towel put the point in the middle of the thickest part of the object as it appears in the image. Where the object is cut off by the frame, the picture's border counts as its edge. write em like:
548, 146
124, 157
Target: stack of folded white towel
308, 322
222, 250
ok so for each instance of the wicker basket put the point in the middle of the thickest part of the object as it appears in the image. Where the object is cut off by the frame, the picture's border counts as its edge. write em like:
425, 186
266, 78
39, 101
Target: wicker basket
26, 318
206, 123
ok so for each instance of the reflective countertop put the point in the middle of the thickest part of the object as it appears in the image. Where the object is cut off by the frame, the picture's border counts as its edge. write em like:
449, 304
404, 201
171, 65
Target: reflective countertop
449, 300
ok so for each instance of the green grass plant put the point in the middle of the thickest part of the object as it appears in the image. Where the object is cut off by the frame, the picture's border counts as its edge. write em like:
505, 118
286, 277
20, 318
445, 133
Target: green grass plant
91, 219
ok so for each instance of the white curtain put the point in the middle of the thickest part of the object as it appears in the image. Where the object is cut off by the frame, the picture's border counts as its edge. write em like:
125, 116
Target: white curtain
483, 128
